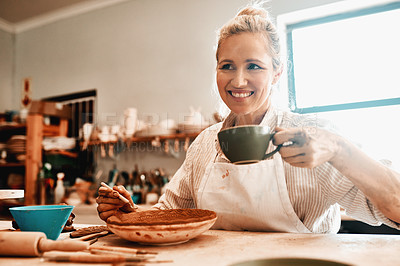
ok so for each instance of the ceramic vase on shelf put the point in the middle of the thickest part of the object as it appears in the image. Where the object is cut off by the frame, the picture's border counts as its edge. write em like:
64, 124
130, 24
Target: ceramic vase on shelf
130, 121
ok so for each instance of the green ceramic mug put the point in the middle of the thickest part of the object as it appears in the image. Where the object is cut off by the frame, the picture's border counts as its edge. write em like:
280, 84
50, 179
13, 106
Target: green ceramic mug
246, 144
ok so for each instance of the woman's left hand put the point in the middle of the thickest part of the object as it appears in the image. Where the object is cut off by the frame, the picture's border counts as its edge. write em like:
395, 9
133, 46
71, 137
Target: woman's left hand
310, 146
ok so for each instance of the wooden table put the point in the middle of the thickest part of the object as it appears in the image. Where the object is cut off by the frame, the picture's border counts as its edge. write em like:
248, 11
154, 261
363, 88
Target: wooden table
216, 247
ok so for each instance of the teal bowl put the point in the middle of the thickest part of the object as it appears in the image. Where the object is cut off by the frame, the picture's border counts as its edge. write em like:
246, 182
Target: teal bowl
49, 219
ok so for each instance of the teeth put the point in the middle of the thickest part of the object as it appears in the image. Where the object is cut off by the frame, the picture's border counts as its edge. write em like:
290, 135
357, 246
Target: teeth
241, 95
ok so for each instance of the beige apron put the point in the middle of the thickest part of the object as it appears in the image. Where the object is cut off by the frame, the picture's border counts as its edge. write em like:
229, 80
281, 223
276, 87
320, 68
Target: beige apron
250, 197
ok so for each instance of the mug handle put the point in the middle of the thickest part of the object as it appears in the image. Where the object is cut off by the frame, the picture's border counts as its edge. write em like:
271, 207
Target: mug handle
274, 151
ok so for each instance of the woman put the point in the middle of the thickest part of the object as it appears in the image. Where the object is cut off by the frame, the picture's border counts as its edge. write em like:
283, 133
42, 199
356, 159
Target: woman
303, 186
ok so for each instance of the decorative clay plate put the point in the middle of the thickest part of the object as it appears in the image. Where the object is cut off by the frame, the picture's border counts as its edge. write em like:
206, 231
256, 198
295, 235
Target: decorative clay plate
160, 227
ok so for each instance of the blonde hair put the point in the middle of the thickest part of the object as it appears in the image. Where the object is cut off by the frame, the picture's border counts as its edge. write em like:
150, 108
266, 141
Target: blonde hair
254, 19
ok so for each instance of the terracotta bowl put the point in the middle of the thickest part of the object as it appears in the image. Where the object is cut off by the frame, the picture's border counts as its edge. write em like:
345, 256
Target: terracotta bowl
160, 227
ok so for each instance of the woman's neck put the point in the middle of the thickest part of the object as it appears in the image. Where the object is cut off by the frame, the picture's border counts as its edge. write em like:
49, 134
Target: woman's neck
242, 120
254, 118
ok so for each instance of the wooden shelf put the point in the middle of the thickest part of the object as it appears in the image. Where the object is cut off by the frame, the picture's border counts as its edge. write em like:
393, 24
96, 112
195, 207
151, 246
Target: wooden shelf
12, 127
180, 136
63, 153
7, 130
12, 164
54, 130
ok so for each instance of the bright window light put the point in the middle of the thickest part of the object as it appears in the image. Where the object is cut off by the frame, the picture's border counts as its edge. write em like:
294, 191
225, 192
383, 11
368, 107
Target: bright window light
350, 60
375, 130
345, 68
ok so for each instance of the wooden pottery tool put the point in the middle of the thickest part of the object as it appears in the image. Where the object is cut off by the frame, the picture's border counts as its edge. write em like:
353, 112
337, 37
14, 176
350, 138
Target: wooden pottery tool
121, 250
82, 257
92, 236
33, 244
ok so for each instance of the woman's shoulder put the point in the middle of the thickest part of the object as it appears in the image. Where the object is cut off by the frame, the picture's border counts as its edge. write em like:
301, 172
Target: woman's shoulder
209, 133
206, 137
291, 119
203, 148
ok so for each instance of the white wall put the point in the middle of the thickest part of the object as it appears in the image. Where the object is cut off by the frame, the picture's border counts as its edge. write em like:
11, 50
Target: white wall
279, 7
155, 55
6, 72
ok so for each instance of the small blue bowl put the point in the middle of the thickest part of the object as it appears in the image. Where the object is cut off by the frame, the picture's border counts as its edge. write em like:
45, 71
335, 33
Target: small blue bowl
49, 219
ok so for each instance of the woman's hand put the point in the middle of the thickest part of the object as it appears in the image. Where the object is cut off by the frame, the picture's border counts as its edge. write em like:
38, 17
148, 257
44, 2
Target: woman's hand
310, 146
109, 203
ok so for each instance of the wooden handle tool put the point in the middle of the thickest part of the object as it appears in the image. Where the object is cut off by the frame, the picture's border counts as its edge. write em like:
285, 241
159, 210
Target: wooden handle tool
121, 250
83, 257
33, 244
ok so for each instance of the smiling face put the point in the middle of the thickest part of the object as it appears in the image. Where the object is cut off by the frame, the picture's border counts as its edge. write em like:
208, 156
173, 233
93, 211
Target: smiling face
245, 74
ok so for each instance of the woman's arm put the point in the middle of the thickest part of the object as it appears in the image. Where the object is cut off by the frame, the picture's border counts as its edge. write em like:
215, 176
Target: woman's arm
314, 146
380, 184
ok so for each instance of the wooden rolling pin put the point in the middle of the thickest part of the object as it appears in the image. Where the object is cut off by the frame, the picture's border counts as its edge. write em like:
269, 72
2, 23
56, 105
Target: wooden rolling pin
33, 244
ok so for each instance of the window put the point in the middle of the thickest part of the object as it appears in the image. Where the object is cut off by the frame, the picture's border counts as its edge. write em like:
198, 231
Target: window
345, 67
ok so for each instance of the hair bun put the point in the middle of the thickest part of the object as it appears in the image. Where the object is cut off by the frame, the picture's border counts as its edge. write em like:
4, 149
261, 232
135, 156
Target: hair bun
253, 11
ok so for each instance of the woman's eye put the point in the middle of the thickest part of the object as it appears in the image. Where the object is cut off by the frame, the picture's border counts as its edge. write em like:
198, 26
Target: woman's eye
226, 66
254, 66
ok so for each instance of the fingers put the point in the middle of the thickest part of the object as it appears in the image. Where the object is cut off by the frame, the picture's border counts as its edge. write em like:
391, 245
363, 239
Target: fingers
297, 137
281, 136
111, 196
108, 204
103, 191
127, 207
104, 215
295, 153
305, 147
106, 210
290, 151
303, 160
107, 200
121, 190
105, 207
292, 155
114, 193
300, 158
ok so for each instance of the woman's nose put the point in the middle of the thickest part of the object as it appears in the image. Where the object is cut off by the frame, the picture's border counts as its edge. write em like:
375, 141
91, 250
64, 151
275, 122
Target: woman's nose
240, 79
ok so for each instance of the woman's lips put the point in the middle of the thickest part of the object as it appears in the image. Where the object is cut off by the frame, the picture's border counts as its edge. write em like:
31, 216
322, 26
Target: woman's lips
241, 94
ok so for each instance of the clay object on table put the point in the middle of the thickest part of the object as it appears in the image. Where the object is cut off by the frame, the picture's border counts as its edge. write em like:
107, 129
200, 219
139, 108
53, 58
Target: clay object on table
88, 230
160, 227
163, 217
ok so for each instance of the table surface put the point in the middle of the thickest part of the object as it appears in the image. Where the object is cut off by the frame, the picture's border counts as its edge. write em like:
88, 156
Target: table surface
217, 247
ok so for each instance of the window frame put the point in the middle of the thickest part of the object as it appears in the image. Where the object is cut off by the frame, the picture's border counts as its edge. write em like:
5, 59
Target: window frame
289, 22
